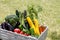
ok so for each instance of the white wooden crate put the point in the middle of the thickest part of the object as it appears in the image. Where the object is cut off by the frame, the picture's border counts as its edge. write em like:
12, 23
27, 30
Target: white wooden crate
8, 35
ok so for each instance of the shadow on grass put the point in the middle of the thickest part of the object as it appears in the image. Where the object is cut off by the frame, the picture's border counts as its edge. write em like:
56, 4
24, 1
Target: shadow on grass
54, 36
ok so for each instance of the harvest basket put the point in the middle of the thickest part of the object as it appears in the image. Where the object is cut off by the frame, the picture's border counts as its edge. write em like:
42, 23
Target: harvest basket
8, 35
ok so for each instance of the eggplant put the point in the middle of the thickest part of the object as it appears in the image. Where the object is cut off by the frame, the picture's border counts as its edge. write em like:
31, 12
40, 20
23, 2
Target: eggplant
7, 26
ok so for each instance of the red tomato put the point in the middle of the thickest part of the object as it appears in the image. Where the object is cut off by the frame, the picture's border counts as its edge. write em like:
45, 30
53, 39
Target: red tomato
17, 30
26, 34
21, 32
41, 29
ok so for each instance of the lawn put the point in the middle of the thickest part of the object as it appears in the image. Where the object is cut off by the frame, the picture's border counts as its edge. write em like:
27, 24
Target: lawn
50, 15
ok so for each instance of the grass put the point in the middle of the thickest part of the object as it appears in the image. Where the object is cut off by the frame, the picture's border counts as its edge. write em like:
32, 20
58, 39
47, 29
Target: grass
49, 16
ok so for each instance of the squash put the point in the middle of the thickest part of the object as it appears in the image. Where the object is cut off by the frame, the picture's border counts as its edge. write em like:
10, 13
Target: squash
31, 23
36, 26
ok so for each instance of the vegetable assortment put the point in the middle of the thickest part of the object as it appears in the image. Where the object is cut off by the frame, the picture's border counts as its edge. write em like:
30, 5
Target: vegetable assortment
25, 23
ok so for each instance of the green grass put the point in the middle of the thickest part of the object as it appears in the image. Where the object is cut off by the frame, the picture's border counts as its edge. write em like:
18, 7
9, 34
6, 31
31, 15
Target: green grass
49, 16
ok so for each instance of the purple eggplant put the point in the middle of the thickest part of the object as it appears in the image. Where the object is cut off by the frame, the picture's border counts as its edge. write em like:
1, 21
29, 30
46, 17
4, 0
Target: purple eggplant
7, 26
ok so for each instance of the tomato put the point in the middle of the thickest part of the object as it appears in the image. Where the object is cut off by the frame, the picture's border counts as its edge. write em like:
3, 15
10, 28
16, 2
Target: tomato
41, 29
17, 30
26, 34
21, 32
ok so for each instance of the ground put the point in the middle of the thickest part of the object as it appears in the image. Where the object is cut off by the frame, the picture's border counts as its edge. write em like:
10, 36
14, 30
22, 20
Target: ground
50, 15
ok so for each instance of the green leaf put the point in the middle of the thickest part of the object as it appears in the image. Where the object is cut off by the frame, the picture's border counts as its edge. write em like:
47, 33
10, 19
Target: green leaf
32, 31
26, 31
21, 27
